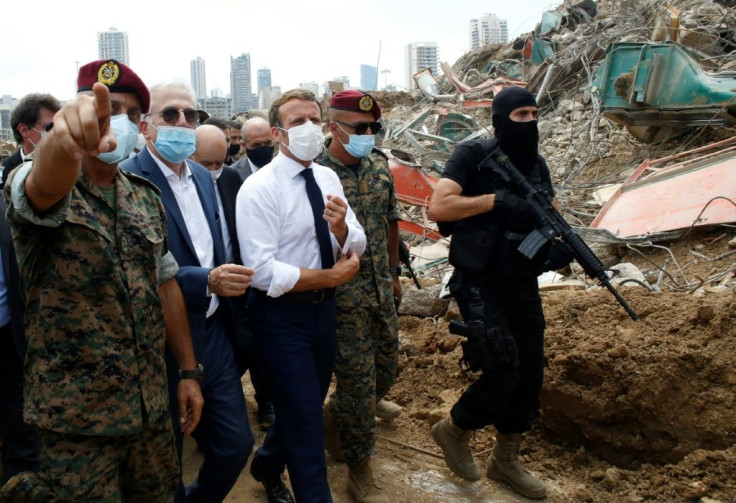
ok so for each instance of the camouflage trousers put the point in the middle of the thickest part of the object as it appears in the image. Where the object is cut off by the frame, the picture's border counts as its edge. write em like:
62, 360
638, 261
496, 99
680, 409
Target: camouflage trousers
365, 368
75, 468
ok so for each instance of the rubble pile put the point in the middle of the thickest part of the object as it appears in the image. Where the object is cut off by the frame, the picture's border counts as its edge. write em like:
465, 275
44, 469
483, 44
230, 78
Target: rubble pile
587, 152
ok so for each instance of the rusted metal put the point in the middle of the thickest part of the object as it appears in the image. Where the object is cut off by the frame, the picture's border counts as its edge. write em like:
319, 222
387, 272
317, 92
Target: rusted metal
661, 195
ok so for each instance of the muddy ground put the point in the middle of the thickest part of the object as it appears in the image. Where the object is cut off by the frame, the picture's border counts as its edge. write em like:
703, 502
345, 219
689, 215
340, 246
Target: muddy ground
631, 410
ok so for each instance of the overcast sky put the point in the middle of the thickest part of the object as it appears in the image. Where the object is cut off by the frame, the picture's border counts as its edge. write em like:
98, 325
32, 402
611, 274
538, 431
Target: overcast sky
42, 42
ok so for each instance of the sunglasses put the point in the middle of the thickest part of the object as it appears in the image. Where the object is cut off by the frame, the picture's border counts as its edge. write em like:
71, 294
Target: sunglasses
170, 115
362, 127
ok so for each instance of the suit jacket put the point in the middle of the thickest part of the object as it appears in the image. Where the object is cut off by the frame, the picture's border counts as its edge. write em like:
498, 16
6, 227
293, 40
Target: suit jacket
10, 164
228, 186
192, 277
12, 281
242, 166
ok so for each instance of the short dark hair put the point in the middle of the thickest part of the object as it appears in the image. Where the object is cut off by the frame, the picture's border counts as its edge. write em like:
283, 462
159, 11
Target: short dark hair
298, 94
235, 125
220, 123
28, 110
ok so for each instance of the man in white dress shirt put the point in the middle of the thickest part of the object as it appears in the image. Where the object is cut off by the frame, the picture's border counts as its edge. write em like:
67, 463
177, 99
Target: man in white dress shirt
295, 230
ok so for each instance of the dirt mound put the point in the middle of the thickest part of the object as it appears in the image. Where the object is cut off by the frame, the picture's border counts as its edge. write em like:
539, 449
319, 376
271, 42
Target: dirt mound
630, 410
651, 390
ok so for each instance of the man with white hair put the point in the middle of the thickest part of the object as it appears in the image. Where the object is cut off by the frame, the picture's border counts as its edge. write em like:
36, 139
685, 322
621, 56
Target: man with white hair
207, 281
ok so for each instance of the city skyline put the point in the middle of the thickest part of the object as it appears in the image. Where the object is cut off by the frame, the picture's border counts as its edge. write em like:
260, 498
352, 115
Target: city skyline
299, 53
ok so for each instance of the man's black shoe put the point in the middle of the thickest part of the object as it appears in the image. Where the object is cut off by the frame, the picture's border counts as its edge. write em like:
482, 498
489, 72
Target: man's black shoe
265, 415
276, 490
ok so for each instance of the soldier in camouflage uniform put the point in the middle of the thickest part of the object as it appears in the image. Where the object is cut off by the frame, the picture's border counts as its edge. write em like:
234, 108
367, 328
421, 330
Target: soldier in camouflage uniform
99, 283
367, 326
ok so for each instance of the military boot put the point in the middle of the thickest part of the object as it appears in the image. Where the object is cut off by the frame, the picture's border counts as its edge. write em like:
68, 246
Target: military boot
454, 444
504, 466
387, 410
361, 485
332, 439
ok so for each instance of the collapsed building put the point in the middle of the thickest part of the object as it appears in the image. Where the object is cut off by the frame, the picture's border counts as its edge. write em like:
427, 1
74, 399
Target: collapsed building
637, 122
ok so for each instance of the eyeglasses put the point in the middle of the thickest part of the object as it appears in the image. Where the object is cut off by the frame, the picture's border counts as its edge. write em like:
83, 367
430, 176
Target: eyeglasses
362, 127
44, 127
170, 115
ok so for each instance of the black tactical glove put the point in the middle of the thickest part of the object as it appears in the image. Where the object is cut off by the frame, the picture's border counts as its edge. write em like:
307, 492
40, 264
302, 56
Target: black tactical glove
559, 255
513, 207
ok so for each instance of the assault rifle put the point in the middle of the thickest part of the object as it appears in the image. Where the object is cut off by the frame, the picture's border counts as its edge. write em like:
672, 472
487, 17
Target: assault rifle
405, 258
552, 226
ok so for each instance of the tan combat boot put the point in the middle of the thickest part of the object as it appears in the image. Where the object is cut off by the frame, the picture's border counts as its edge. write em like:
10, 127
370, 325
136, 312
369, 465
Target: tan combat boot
387, 410
332, 439
454, 444
504, 466
361, 485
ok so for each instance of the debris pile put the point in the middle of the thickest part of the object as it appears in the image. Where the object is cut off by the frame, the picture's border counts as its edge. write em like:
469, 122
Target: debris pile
590, 152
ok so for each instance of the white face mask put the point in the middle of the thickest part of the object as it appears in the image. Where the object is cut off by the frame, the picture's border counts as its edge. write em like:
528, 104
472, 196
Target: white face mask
216, 173
305, 141
126, 136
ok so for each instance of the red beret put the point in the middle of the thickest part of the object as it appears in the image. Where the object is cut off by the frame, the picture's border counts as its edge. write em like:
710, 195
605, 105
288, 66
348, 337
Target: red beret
353, 100
117, 76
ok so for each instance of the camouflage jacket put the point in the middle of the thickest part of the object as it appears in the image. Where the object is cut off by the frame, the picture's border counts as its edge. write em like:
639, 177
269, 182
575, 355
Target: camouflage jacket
90, 274
372, 196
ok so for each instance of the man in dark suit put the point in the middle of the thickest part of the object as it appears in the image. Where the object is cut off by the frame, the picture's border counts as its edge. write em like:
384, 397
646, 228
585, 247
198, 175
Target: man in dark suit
20, 444
28, 122
207, 281
212, 146
259, 142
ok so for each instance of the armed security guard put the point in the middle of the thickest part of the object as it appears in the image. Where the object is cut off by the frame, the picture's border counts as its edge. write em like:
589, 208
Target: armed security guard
496, 289
367, 326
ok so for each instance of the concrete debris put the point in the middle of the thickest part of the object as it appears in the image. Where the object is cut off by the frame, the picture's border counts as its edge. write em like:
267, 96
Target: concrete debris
590, 155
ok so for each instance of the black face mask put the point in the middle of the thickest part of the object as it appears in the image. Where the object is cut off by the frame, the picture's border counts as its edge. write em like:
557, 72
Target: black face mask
233, 149
520, 141
260, 156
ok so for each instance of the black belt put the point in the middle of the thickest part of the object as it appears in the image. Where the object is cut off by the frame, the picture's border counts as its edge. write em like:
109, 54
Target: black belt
308, 297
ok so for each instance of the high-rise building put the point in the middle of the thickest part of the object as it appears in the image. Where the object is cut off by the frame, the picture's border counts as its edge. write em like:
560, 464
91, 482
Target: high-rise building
267, 96
312, 86
344, 79
215, 107
368, 78
264, 79
198, 79
113, 44
489, 29
240, 83
421, 55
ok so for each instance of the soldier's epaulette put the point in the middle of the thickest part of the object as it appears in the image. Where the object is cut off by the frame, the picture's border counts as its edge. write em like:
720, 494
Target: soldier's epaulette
379, 152
137, 178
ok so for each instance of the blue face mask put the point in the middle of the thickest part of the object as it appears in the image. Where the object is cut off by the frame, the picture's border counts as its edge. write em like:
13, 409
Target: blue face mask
359, 145
126, 135
175, 143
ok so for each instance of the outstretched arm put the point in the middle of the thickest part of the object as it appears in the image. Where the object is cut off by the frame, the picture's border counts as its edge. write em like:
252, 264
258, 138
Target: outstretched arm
179, 339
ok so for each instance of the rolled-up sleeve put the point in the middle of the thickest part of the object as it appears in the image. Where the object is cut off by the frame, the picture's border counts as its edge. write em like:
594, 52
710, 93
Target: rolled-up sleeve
22, 207
167, 268
257, 224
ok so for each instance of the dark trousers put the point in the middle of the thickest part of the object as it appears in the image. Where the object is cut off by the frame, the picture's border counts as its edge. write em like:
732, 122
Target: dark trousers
295, 343
508, 397
20, 442
223, 431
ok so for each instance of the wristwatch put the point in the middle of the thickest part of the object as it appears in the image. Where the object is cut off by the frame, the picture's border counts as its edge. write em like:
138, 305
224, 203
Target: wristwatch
196, 374
396, 270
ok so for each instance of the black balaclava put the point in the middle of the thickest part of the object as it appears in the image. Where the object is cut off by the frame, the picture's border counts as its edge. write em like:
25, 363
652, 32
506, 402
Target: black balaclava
518, 140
